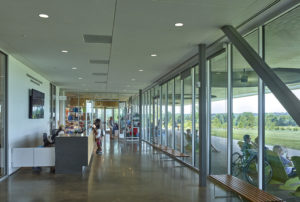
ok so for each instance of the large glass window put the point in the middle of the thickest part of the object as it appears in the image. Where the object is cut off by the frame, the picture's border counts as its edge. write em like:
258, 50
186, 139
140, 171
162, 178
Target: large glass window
218, 114
170, 113
2, 115
177, 113
197, 116
187, 125
157, 115
245, 113
122, 113
282, 134
163, 114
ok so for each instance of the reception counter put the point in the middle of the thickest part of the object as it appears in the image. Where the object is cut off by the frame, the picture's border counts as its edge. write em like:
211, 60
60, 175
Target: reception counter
73, 152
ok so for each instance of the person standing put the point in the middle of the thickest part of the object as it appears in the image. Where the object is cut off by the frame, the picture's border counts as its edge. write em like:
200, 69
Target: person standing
110, 125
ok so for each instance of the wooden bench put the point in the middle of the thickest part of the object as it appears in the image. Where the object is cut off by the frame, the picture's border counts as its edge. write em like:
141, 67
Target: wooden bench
169, 151
243, 188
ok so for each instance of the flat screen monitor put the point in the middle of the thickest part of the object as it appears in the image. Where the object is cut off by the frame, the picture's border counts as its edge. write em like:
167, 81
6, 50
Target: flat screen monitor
36, 104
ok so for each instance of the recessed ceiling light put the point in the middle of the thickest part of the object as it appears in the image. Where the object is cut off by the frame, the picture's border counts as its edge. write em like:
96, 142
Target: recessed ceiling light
179, 24
74, 68
79, 78
133, 79
128, 85
153, 55
42, 15
141, 70
64, 51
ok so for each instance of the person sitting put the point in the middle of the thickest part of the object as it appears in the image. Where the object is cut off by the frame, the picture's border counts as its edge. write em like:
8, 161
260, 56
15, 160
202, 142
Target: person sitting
59, 132
288, 165
248, 148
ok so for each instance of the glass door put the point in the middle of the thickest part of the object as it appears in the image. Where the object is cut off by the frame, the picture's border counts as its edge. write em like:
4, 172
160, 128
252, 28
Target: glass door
2, 115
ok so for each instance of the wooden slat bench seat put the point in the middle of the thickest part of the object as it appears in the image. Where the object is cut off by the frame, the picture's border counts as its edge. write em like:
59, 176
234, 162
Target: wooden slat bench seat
170, 151
243, 188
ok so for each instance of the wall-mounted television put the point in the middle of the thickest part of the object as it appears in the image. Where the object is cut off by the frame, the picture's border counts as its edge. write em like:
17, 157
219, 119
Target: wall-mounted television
36, 104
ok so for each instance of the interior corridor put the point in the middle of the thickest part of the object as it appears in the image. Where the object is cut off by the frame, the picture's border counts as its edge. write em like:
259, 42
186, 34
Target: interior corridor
126, 171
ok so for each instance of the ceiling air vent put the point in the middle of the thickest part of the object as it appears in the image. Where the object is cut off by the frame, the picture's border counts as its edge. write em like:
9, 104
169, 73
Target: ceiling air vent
104, 82
99, 74
89, 38
105, 62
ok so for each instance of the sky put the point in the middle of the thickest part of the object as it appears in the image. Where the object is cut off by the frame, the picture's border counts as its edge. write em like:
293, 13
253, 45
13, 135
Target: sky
250, 104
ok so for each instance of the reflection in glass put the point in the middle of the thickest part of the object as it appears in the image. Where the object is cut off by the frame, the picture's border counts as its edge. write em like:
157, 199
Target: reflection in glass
163, 114
177, 113
282, 134
218, 114
170, 113
2, 114
245, 113
187, 125
196, 117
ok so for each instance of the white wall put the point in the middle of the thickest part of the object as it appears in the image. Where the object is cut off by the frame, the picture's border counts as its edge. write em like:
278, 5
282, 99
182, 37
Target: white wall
22, 131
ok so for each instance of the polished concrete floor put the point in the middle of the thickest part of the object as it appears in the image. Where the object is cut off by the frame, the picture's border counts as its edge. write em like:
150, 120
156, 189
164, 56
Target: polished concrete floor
126, 171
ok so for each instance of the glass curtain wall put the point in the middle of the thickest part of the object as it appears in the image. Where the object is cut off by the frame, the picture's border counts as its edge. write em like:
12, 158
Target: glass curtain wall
164, 114
151, 115
282, 134
197, 84
2, 115
157, 115
122, 117
178, 124
245, 112
143, 117
218, 115
170, 113
187, 116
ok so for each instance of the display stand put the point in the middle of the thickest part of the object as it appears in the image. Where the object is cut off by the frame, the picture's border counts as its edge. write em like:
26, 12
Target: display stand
132, 132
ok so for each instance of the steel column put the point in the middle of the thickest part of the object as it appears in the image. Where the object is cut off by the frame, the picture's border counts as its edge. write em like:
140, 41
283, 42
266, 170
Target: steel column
202, 115
229, 108
208, 117
261, 116
140, 114
173, 114
161, 121
284, 95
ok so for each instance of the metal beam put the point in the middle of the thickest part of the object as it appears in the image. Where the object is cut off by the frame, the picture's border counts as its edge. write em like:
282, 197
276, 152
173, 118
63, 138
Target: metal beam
202, 115
284, 95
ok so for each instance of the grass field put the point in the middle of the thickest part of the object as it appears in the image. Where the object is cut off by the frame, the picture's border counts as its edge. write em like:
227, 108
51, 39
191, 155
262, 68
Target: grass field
289, 139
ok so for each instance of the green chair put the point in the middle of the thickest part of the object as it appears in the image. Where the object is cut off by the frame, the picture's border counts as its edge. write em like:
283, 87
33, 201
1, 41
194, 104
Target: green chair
296, 161
278, 170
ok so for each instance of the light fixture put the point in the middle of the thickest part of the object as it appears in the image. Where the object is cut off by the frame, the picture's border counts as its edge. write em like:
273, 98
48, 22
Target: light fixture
79, 78
179, 24
42, 15
133, 79
141, 70
64, 51
153, 55
74, 68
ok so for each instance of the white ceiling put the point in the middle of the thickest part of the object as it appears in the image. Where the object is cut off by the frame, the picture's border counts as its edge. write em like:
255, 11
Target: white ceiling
138, 28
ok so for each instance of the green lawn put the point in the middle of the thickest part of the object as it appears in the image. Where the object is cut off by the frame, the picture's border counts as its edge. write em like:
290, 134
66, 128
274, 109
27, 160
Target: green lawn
290, 139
